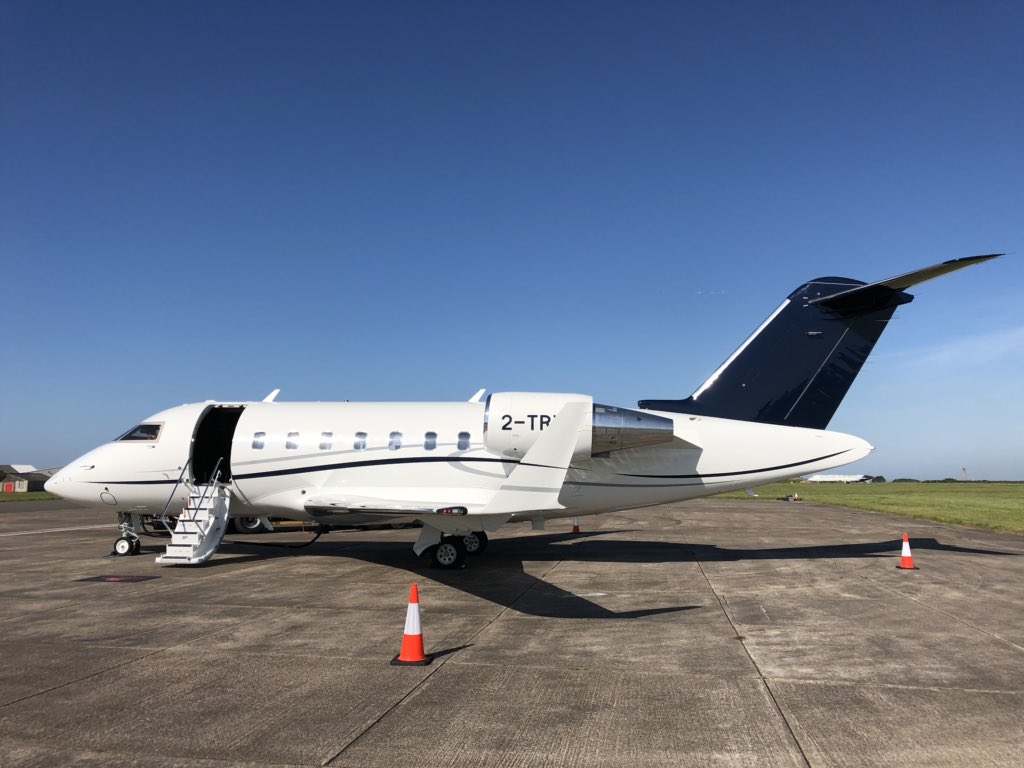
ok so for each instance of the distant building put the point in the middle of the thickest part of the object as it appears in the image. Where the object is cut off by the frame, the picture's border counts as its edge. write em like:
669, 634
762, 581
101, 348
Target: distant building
838, 479
23, 478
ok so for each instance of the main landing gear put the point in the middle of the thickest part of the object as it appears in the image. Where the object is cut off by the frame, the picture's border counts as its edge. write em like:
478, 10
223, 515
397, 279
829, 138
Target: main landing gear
249, 525
476, 542
450, 551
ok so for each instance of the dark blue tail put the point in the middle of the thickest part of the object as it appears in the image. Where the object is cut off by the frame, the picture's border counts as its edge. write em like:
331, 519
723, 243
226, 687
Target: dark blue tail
797, 367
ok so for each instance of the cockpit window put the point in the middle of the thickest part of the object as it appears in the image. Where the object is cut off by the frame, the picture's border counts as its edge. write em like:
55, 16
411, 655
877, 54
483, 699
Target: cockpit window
142, 432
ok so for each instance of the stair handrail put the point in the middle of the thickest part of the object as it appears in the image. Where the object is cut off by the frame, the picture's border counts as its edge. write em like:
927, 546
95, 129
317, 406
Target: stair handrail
181, 478
214, 483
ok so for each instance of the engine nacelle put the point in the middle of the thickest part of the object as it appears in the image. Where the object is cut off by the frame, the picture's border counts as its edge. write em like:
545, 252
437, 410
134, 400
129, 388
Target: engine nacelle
514, 420
615, 429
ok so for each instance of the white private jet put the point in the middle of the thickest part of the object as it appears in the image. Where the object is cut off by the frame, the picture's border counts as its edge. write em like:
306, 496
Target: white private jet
464, 469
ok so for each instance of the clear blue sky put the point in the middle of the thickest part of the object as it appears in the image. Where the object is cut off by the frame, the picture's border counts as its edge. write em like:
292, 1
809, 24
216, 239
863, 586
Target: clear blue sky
413, 200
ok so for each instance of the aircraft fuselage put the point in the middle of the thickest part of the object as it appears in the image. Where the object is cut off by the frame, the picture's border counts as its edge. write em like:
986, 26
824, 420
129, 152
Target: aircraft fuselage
280, 455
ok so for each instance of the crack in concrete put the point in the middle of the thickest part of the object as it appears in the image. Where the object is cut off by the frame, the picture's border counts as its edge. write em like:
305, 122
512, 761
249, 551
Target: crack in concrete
432, 670
753, 662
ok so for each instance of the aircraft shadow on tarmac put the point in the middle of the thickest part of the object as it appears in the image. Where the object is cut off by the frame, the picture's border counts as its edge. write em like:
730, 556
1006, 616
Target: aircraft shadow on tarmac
500, 577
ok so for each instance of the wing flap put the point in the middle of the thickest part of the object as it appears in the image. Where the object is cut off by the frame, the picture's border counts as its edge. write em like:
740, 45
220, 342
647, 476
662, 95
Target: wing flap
365, 505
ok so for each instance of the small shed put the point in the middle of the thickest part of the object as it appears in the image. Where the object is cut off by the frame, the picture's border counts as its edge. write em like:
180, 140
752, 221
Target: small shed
13, 484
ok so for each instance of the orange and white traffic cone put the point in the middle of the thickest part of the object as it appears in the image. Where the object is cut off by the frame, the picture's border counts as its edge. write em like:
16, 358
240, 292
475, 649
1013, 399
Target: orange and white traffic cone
575, 525
906, 559
412, 641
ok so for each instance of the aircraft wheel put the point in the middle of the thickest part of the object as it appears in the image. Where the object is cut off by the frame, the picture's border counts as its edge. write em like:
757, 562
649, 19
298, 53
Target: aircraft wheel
137, 546
247, 524
123, 546
450, 553
476, 542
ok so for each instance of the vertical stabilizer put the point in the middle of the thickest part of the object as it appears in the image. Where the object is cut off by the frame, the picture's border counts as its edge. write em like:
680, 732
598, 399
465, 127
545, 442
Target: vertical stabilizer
798, 365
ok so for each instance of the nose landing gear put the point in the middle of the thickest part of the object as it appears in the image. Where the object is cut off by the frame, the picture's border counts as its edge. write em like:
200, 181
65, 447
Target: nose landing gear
129, 542
125, 546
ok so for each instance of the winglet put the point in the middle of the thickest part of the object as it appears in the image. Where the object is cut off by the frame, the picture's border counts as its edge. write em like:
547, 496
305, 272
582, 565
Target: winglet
270, 398
476, 398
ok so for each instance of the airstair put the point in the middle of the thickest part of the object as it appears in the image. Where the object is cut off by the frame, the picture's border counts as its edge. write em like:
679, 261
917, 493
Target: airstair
200, 526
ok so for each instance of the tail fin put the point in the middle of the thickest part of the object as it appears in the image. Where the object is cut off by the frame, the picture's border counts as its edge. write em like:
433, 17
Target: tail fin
798, 365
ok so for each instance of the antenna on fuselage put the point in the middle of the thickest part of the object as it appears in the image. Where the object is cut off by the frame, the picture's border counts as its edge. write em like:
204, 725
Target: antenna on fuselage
476, 398
270, 398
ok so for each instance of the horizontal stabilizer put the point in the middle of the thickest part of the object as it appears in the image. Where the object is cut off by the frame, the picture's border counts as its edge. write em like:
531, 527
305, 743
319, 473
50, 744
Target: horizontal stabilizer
879, 292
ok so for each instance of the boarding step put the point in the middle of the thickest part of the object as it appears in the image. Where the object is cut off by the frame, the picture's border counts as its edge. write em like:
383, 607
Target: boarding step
186, 526
178, 551
200, 527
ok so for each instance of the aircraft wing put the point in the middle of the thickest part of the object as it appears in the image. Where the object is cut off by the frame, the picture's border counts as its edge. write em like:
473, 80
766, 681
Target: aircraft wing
368, 505
533, 485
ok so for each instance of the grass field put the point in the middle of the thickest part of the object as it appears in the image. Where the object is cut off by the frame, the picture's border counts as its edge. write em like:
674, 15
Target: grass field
994, 506
33, 496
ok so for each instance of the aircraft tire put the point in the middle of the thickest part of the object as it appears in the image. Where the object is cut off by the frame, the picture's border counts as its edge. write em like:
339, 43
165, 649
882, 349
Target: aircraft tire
123, 547
136, 546
476, 542
247, 525
449, 554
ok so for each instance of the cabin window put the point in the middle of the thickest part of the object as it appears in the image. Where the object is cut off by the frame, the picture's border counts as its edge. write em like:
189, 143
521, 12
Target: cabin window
326, 441
257, 440
360, 443
293, 441
394, 441
430, 441
463, 441
142, 432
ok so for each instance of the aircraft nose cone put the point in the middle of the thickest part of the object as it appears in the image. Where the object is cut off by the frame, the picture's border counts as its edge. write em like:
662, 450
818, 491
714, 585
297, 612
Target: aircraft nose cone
53, 484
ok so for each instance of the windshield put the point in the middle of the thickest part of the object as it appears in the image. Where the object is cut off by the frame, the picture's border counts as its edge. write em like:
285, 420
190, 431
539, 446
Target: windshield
142, 432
